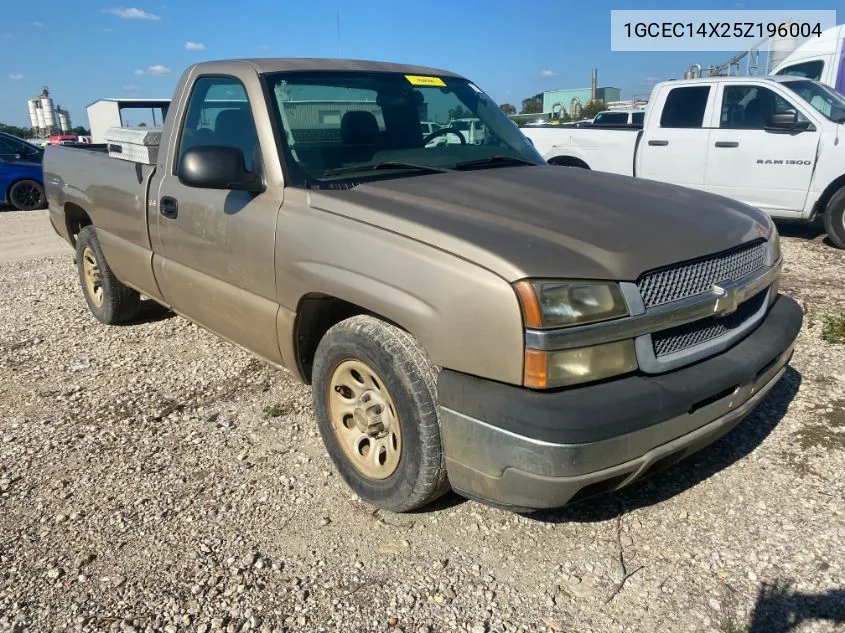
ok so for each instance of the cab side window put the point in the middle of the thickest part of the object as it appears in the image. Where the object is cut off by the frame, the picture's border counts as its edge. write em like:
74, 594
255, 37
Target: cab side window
751, 107
219, 114
684, 107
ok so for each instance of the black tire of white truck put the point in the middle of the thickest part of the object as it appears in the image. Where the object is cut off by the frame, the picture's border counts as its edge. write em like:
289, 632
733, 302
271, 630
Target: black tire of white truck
109, 300
834, 219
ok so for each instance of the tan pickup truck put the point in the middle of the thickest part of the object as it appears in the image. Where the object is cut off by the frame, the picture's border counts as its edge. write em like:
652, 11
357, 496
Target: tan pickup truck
467, 316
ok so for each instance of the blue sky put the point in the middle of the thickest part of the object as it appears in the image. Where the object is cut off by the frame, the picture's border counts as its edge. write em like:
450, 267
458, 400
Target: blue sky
86, 49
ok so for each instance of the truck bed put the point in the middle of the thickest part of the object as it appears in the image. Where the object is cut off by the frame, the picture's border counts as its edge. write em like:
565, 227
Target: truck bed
112, 191
603, 148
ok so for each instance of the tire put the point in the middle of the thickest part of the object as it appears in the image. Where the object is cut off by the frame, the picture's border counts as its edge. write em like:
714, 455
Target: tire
27, 195
834, 219
413, 473
109, 300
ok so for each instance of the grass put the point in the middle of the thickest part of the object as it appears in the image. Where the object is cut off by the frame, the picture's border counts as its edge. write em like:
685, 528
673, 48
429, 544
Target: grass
275, 410
833, 329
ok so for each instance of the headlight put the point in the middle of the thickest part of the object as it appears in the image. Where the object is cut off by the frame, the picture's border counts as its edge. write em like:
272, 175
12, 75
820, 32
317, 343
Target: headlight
572, 366
549, 304
773, 246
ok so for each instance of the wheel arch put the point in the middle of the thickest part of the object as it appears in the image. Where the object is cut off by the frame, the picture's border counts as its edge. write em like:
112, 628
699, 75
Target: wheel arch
824, 199
76, 218
315, 315
568, 161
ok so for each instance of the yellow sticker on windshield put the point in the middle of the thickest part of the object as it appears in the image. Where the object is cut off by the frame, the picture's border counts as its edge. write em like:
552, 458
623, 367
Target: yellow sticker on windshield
422, 80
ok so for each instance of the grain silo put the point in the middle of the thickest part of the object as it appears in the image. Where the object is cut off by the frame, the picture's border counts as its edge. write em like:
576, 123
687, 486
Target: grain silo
49, 110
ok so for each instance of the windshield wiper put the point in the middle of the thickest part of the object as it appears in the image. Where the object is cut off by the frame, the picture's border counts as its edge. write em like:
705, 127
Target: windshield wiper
496, 159
388, 164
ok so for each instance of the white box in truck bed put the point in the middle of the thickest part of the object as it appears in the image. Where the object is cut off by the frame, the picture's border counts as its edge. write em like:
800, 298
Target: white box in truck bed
135, 144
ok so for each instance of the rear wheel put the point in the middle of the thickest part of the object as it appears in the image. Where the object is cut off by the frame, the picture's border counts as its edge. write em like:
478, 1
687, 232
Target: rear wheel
109, 300
27, 195
834, 219
374, 395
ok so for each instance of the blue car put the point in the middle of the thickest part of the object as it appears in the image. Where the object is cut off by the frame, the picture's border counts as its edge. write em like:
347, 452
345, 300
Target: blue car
21, 176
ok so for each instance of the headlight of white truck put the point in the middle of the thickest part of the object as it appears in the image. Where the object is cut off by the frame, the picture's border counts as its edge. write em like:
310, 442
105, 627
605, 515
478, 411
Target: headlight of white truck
561, 304
554, 304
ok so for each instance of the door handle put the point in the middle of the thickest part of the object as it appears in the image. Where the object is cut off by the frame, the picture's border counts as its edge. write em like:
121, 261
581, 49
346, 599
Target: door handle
659, 143
169, 207
727, 144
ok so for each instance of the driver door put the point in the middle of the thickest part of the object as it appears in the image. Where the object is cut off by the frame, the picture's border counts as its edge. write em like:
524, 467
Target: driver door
215, 248
753, 163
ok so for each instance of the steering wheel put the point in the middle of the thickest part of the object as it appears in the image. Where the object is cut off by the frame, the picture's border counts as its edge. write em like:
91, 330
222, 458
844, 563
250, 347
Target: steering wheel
443, 132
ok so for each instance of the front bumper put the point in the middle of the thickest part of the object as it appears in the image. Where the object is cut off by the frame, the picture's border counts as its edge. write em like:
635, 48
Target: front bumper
531, 449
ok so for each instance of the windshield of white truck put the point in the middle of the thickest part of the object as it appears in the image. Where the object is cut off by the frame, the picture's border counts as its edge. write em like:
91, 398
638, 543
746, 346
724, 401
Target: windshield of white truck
823, 98
366, 125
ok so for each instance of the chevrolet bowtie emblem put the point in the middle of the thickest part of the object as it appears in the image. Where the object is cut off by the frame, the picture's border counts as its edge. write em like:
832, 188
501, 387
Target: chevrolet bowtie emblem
727, 299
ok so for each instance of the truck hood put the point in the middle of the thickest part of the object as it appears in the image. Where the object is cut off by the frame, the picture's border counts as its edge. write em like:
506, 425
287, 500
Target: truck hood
550, 221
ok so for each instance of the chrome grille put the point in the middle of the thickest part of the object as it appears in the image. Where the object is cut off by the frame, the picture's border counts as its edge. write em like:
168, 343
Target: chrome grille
692, 278
682, 337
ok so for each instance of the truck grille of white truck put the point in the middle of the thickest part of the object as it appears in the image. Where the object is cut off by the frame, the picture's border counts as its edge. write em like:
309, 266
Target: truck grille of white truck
689, 335
696, 277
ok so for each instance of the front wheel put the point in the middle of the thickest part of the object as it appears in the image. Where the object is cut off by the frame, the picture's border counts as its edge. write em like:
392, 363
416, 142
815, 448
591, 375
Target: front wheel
27, 195
374, 395
834, 219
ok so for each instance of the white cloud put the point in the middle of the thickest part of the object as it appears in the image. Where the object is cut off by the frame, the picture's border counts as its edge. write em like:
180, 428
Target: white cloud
548, 73
38, 24
130, 88
156, 70
106, 30
132, 13
15, 76
194, 46
264, 47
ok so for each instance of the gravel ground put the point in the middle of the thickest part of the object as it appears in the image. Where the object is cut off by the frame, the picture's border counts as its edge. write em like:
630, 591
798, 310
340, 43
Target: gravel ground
148, 483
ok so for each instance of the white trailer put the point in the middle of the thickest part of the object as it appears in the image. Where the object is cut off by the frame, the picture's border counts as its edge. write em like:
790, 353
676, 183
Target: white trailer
104, 114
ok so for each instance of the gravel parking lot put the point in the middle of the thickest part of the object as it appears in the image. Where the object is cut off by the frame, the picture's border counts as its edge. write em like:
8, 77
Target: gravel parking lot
156, 478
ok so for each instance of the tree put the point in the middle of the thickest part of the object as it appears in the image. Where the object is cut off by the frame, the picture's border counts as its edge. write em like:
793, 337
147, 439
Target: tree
508, 109
533, 105
459, 112
593, 108
81, 131
14, 130
142, 124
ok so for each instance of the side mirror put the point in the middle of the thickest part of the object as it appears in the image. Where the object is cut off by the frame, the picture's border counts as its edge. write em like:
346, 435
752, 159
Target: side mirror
780, 121
783, 120
217, 167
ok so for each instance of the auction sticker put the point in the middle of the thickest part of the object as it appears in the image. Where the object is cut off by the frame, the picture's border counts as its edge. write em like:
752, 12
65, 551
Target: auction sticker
422, 80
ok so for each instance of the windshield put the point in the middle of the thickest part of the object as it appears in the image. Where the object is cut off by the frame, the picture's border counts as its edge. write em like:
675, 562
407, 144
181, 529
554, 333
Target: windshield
334, 122
611, 118
823, 98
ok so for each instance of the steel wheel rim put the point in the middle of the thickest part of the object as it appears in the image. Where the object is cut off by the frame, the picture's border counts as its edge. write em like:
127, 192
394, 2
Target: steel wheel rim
27, 196
93, 278
364, 419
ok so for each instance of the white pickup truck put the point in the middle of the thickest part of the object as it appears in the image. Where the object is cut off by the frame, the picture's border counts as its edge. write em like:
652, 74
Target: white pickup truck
771, 142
